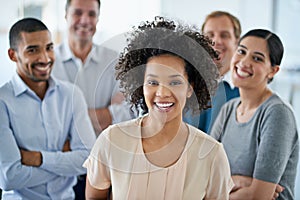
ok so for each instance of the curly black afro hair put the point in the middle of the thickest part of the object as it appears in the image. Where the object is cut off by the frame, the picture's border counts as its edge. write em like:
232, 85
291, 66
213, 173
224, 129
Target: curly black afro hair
163, 36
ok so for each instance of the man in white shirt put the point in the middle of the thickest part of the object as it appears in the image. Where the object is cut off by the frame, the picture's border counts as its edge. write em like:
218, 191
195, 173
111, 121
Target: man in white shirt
92, 68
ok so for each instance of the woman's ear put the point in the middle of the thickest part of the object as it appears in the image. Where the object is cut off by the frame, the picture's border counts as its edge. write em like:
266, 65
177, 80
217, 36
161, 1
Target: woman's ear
190, 91
274, 70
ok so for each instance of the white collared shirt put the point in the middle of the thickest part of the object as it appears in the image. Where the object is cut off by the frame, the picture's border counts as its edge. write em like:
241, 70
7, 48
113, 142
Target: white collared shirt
95, 77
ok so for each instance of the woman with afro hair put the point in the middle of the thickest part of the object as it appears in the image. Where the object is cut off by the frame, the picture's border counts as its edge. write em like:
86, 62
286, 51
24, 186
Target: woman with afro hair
165, 69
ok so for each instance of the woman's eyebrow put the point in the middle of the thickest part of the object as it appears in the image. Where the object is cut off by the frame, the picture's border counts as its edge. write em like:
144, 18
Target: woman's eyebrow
255, 52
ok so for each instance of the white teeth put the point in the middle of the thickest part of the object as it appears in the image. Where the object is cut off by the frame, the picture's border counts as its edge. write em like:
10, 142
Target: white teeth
83, 28
42, 68
164, 105
242, 73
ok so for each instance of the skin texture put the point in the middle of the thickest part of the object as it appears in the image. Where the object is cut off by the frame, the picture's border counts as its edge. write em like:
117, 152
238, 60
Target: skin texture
82, 18
34, 59
251, 64
166, 89
166, 82
220, 30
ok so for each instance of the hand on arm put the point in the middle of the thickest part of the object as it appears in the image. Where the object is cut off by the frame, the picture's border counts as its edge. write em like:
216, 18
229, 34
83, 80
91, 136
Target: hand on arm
278, 190
100, 118
118, 98
35, 158
241, 182
31, 158
66, 146
256, 190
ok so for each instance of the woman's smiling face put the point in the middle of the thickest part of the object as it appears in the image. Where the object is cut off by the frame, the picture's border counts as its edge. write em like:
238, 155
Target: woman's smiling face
251, 65
166, 86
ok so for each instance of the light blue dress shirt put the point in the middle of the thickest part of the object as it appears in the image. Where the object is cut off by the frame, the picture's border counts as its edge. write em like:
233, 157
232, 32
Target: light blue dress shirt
27, 122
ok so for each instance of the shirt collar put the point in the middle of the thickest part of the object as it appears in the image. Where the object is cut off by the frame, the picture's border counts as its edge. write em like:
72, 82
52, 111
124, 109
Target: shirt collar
20, 86
227, 78
67, 54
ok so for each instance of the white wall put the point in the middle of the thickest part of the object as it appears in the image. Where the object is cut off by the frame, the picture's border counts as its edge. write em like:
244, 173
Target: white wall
252, 13
117, 17
10, 12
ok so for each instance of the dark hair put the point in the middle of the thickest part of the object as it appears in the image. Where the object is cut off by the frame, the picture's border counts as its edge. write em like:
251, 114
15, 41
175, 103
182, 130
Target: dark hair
159, 37
234, 20
69, 2
274, 45
27, 25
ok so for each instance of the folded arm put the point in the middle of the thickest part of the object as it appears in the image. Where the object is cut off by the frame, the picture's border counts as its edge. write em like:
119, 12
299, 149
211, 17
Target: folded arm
13, 174
116, 112
81, 137
101, 119
35, 158
276, 146
251, 188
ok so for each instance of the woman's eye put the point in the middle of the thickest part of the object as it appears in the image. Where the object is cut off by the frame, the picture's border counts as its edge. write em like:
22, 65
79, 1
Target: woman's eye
241, 51
151, 82
258, 59
176, 83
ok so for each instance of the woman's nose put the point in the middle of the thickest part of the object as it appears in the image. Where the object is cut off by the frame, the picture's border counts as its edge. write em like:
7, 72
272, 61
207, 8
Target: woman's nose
245, 61
163, 91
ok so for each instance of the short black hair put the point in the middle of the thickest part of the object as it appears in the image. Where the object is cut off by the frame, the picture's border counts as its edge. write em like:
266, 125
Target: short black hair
163, 36
27, 25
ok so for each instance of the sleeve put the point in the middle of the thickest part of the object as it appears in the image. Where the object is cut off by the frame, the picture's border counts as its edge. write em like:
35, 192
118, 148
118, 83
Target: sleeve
217, 129
82, 139
14, 175
98, 171
220, 183
278, 139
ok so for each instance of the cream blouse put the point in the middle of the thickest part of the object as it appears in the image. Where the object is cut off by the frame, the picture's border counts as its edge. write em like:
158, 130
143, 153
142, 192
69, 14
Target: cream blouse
117, 159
